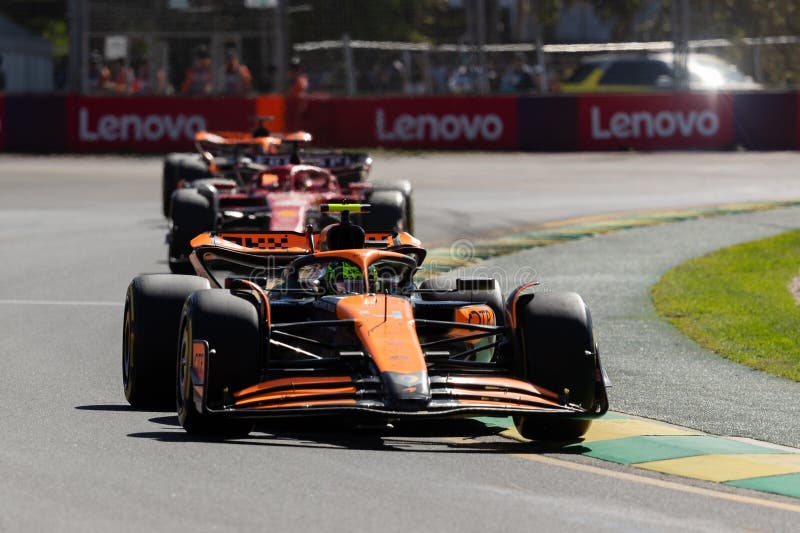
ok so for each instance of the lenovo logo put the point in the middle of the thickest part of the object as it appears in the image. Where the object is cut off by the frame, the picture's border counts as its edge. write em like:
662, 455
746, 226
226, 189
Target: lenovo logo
429, 127
643, 124
138, 128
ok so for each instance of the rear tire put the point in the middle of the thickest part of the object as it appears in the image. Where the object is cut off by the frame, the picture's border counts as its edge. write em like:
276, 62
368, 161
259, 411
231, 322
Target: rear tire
558, 352
386, 213
404, 187
150, 336
230, 325
186, 167
192, 214
169, 178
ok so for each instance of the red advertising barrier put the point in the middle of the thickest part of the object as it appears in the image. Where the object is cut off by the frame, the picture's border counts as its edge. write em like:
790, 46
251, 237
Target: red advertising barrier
797, 121
692, 121
151, 124
420, 122
2, 122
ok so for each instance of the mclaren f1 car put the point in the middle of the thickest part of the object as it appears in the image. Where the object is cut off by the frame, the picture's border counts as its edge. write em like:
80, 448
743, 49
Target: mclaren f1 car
305, 324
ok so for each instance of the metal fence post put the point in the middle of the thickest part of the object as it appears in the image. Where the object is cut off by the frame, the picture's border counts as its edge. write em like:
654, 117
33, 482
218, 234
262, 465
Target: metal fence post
349, 69
279, 46
78, 13
483, 79
426, 74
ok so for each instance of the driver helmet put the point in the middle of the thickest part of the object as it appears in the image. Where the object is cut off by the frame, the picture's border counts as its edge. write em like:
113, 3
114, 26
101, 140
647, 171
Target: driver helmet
342, 277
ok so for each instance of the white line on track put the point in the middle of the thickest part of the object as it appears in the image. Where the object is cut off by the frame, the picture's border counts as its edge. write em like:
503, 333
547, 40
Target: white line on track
663, 483
61, 302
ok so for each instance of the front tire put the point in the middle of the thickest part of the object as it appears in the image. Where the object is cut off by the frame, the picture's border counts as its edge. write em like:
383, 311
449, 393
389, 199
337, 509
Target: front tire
150, 333
230, 326
558, 352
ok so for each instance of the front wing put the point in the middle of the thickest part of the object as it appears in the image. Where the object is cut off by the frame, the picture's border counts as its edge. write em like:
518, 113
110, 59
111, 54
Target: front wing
452, 396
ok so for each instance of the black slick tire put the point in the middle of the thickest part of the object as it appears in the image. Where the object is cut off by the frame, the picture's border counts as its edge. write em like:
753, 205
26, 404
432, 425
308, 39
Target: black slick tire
404, 187
150, 336
558, 352
230, 326
192, 214
180, 167
386, 213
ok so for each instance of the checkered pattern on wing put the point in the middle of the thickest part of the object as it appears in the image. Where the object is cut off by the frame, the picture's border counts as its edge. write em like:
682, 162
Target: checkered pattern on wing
266, 243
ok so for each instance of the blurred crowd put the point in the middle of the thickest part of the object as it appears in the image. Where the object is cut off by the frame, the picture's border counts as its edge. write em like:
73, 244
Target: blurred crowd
514, 75
139, 78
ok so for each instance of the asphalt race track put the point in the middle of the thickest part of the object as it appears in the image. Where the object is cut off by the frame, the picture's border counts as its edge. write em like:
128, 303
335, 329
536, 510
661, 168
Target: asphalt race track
75, 457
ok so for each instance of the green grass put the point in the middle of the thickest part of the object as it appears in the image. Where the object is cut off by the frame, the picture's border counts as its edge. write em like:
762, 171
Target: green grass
735, 301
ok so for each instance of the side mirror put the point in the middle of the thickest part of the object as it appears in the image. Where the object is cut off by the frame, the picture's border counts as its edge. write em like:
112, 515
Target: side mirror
475, 284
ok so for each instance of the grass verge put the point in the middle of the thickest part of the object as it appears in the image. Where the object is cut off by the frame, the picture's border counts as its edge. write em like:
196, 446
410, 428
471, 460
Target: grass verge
735, 301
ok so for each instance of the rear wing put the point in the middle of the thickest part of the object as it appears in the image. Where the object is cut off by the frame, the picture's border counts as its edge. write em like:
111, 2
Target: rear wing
266, 254
331, 160
280, 149
290, 243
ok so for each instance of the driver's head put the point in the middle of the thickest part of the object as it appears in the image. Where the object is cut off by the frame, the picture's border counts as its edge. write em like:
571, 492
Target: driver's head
343, 277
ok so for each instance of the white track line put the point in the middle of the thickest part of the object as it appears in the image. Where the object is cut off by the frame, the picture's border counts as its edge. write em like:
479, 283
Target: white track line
61, 302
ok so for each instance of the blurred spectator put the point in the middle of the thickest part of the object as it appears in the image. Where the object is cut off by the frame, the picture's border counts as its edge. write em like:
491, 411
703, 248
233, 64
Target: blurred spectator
493, 77
439, 78
463, 80
99, 75
123, 76
518, 77
234, 77
162, 85
297, 80
389, 78
142, 83
199, 78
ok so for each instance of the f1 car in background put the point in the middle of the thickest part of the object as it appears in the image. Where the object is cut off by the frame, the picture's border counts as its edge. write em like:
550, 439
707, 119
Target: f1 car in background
220, 153
277, 198
290, 324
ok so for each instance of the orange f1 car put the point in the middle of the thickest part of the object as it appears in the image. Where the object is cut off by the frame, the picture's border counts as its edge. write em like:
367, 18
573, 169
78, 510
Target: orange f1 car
288, 324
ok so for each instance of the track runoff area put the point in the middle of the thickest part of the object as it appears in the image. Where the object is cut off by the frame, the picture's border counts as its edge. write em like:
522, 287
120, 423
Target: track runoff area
632, 441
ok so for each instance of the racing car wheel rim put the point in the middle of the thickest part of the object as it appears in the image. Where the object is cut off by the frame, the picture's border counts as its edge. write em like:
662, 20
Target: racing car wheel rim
127, 347
183, 371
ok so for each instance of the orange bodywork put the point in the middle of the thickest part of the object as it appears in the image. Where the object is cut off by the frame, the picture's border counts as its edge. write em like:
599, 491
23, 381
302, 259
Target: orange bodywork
296, 394
513, 299
288, 392
267, 144
385, 326
481, 315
